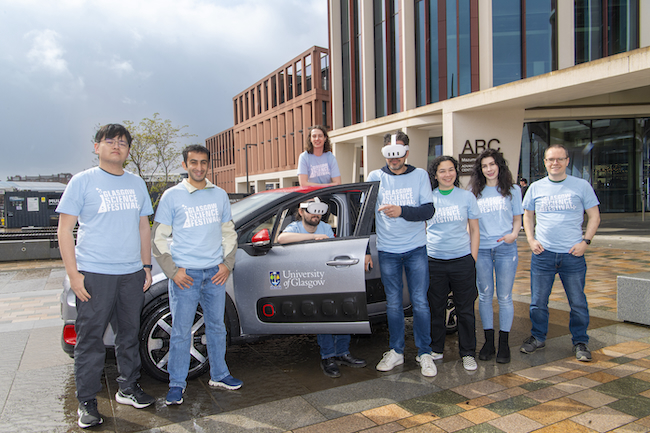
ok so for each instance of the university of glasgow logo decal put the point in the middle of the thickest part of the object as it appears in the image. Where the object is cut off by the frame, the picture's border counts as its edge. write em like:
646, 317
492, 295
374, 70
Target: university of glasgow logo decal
275, 278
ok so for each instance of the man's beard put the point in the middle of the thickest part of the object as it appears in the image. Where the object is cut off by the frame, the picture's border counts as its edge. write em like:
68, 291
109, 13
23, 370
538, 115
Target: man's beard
311, 222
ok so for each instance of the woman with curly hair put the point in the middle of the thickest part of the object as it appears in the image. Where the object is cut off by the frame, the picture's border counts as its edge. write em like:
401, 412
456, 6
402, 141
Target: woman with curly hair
499, 201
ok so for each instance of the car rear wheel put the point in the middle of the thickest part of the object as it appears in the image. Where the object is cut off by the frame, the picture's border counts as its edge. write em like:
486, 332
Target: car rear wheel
451, 321
155, 334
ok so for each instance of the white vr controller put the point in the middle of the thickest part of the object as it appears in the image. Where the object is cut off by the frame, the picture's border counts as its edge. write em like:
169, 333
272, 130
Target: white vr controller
315, 207
394, 150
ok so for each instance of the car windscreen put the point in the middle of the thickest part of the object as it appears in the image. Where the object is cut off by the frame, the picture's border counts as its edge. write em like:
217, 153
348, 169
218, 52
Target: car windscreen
250, 206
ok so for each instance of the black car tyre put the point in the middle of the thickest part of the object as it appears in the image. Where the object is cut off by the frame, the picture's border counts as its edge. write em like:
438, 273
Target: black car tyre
451, 321
155, 332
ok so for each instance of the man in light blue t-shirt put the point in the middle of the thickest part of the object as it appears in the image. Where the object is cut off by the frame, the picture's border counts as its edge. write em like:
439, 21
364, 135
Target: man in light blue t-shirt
558, 202
109, 269
404, 203
334, 348
198, 262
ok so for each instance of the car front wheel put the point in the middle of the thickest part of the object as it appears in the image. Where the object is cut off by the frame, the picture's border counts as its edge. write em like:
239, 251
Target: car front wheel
155, 334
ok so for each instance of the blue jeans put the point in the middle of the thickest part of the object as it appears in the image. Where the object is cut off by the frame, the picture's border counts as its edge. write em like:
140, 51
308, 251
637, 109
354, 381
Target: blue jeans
573, 271
183, 305
414, 263
333, 345
500, 262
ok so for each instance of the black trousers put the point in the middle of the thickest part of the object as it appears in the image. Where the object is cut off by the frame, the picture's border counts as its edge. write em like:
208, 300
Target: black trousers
459, 276
117, 299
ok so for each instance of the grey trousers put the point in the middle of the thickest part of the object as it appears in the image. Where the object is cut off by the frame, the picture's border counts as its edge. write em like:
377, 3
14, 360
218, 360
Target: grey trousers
117, 299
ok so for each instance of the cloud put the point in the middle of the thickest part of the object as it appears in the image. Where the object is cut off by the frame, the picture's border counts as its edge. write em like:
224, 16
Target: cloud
121, 66
46, 52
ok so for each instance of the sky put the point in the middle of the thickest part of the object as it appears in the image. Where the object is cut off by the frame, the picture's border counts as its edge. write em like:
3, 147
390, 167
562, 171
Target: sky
68, 65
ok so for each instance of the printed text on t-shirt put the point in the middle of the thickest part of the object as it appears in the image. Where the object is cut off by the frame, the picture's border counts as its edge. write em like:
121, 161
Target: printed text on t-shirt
319, 170
398, 197
492, 204
446, 214
201, 215
554, 203
117, 200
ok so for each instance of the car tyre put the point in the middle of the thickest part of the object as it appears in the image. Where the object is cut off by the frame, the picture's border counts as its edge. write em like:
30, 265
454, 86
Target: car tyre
451, 321
155, 333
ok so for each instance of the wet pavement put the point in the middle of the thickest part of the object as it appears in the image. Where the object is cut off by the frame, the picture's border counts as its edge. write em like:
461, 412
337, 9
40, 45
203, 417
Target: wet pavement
285, 390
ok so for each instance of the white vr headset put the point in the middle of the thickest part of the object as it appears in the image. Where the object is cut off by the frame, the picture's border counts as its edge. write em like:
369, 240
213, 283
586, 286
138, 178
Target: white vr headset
394, 150
315, 207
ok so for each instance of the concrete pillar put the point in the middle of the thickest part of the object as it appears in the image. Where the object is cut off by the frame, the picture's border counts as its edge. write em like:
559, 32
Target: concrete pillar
344, 153
407, 19
485, 56
474, 131
566, 51
357, 174
373, 159
286, 182
418, 147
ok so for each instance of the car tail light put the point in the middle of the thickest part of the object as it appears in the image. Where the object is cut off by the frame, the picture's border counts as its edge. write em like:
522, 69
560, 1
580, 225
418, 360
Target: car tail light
69, 335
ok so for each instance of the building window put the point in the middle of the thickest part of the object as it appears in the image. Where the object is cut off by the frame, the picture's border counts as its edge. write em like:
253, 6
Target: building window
427, 52
324, 119
308, 73
259, 99
274, 93
298, 78
289, 83
387, 57
235, 111
324, 71
281, 80
524, 39
605, 27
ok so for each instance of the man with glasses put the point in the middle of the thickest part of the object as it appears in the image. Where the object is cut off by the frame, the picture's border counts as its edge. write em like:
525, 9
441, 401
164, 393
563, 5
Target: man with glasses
334, 348
106, 269
558, 203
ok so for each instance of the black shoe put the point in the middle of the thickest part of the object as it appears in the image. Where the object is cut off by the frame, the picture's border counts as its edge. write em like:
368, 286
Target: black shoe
330, 368
503, 356
135, 396
88, 414
582, 352
350, 361
531, 344
487, 352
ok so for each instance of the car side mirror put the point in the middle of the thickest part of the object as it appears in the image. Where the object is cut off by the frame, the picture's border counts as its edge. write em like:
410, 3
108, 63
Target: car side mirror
261, 238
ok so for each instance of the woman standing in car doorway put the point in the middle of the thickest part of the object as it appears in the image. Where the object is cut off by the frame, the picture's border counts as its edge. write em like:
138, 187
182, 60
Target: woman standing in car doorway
317, 165
499, 201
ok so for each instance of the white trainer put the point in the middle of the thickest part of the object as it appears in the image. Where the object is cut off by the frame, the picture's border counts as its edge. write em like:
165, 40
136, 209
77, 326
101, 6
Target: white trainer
390, 360
427, 366
436, 356
469, 363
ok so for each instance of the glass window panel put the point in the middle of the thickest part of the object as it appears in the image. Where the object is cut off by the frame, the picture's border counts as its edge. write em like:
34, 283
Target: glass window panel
381, 108
434, 67
506, 41
452, 51
395, 83
308, 73
540, 37
289, 83
324, 71
281, 80
588, 30
298, 78
464, 49
622, 17
420, 55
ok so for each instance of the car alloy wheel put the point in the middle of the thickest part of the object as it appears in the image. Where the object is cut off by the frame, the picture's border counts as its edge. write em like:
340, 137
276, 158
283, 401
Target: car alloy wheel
155, 334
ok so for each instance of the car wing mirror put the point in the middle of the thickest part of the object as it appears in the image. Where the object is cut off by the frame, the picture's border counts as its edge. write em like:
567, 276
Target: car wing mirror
262, 238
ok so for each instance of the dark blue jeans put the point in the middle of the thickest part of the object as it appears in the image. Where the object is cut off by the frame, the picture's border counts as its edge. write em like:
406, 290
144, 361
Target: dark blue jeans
573, 271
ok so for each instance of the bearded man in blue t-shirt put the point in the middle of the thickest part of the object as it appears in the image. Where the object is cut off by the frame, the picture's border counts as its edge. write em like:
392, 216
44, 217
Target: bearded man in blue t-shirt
109, 269
558, 203
195, 215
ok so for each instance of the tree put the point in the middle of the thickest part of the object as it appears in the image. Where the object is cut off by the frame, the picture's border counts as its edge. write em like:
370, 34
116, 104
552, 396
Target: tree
155, 152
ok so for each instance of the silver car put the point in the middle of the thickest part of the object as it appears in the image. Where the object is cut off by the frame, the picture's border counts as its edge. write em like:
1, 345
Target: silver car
312, 287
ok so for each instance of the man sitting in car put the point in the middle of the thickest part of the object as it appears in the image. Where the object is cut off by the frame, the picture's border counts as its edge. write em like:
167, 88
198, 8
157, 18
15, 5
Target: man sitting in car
334, 348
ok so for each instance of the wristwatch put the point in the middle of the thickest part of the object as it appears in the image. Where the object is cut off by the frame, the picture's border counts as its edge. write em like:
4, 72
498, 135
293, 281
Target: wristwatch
587, 241
147, 266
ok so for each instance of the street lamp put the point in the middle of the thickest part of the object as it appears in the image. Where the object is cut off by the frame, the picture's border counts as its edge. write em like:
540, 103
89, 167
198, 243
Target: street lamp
248, 185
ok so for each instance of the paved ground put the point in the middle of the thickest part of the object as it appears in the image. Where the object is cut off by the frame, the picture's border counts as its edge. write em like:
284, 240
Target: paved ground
284, 389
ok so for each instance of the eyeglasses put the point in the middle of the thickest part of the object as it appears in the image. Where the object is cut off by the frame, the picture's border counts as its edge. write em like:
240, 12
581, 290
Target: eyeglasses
121, 143
554, 160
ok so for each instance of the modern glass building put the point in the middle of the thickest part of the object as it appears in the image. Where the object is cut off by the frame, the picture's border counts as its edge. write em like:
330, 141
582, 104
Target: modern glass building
461, 75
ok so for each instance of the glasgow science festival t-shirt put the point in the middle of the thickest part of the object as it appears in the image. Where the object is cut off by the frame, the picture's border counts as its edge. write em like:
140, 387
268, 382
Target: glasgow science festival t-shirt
559, 210
195, 219
397, 235
447, 235
497, 213
108, 209
319, 169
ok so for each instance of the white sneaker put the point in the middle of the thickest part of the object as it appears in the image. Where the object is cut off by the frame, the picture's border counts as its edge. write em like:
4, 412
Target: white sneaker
469, 363
436, 356
390, 360
427, 366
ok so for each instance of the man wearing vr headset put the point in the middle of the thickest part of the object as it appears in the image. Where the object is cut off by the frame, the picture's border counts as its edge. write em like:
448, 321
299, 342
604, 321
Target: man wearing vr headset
404, 203
334, 348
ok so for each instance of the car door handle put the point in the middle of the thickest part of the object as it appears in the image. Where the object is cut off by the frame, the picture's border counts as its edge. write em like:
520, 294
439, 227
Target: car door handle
342, 261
